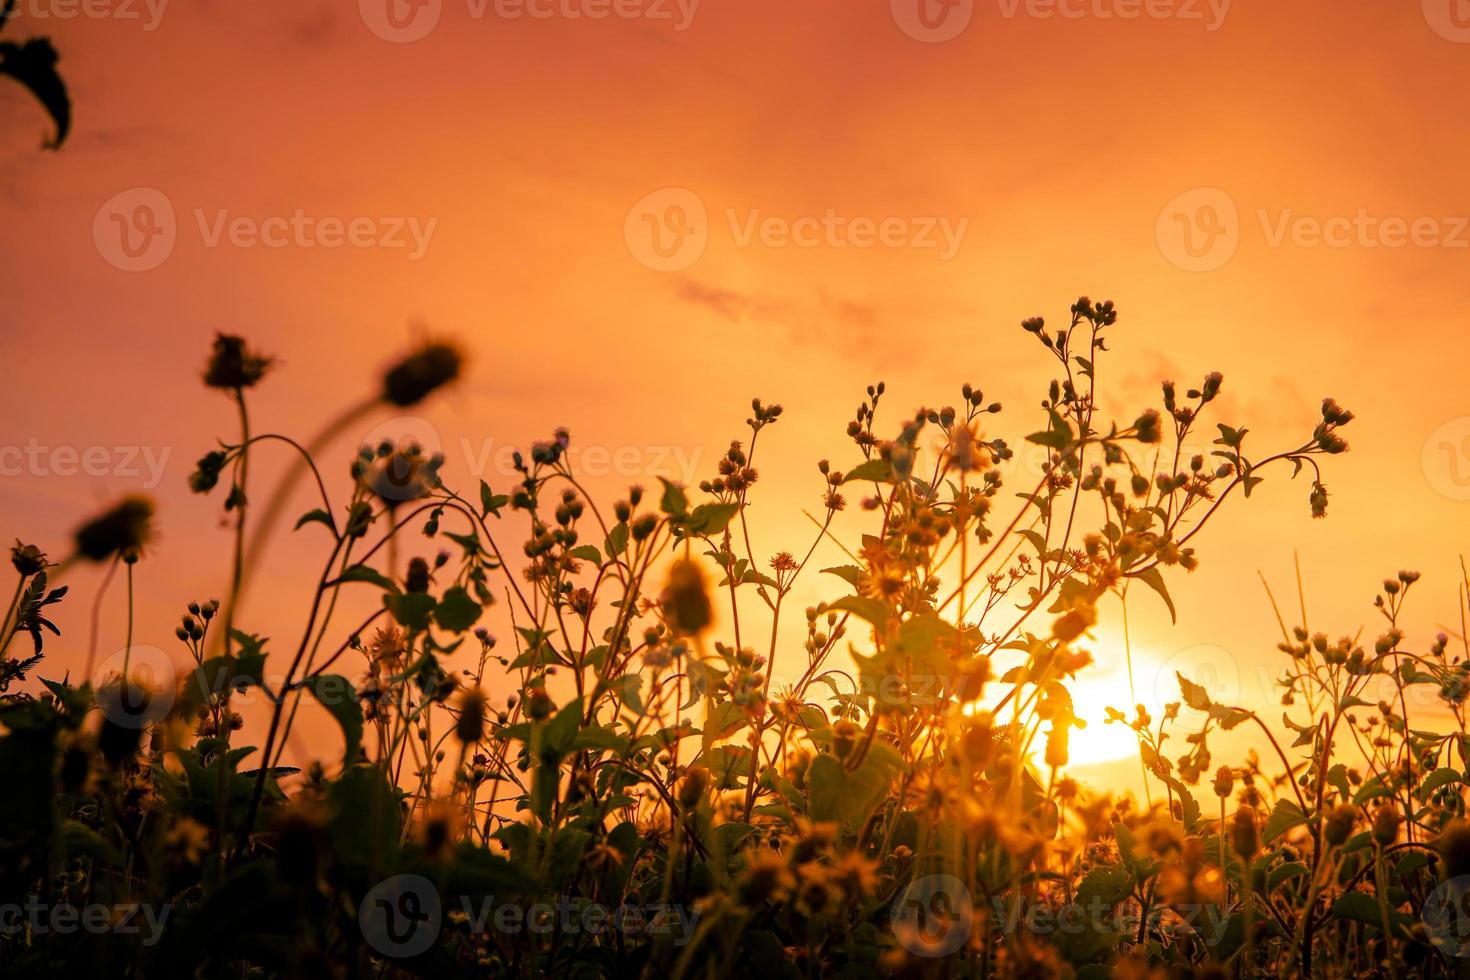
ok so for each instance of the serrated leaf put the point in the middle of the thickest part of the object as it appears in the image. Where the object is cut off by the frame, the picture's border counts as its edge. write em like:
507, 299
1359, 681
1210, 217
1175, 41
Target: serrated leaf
1194, 694
1436, 779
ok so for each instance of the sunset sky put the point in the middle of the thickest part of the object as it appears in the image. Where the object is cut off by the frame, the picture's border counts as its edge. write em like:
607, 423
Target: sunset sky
636, 222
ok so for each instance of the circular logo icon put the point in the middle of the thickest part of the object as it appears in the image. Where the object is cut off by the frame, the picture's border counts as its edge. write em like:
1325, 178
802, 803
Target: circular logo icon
933, 916
135, 230
1446, 916
667, 231
1450, 19
135, 686
933, 21
1212, 668
1199, 230
401, 916
400, 21
1446, 459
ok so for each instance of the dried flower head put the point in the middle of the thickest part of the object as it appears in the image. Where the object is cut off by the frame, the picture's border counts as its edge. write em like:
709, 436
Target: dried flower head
27, 558
432, 366
233, 366
685, 600
123, 530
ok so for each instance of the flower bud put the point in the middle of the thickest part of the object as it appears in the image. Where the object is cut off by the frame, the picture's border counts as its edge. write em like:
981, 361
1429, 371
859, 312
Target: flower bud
1386, 821
1244, 840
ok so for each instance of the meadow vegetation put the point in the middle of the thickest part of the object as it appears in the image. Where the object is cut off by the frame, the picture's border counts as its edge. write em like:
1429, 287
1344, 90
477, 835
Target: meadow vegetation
677, 788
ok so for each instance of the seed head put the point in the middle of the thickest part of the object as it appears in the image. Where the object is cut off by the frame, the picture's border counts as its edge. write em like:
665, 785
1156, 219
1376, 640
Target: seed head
233, 366
124, 529
421, 373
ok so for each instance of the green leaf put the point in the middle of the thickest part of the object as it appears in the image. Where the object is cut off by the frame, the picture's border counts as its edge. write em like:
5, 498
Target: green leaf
317, 516
725, 719
863, 607
456, 611
562, 729
366, 821
1283, 873
1436, 779
1194, 694
674, 501
729, 764
1358, 907
364, 573
1371, 789
411, 609
336, 694
834, 794
873, 471
1058, 437
1108, 884
490, 502
586, 552
617, 541
1284, 817
1154, 579
851, 574
711, 518
599, 737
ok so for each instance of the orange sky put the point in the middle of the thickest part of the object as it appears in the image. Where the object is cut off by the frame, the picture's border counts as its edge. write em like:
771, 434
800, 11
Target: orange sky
1062, 151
